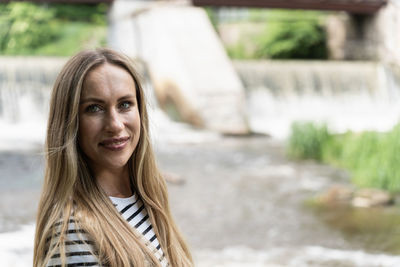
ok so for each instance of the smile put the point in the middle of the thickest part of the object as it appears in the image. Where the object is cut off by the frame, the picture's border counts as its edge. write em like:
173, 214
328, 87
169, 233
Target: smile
115, 144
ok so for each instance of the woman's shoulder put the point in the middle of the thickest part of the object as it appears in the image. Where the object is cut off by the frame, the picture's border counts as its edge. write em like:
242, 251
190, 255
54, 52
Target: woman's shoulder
69, 229
78, 246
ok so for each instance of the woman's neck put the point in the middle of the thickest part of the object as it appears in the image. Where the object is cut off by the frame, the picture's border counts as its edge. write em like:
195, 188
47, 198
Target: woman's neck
115, 183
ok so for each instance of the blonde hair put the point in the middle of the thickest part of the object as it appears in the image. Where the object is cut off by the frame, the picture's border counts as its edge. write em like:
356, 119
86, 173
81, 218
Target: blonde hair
69, 187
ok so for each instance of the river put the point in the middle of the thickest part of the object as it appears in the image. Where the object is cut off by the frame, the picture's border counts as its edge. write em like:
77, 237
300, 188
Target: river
241, 203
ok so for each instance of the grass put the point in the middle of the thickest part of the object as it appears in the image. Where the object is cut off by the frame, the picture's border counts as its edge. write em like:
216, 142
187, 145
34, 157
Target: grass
372, 158
307, 140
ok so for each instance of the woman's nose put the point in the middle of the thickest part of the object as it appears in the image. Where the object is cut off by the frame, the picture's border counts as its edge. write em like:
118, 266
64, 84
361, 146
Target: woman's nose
114, 122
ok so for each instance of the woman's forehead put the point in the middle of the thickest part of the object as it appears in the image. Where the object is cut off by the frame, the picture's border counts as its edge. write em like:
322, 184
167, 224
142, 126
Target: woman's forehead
108, 79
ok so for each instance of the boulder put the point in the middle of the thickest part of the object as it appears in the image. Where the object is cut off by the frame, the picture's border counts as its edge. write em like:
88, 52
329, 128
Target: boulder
370, 197
336, 195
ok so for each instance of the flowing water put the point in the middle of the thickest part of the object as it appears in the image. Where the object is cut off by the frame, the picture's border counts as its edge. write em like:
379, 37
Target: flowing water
241, 203
353, 96
24, 97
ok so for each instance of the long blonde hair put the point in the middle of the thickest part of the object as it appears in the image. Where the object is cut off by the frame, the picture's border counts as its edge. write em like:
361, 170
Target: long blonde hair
69, 186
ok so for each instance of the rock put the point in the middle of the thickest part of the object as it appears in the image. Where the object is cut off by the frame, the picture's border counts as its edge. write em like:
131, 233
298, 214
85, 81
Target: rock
173, 178
337, 194
361, 198
369, 197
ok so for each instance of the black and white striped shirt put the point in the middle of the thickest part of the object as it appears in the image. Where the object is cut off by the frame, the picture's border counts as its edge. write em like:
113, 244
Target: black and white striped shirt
80, 250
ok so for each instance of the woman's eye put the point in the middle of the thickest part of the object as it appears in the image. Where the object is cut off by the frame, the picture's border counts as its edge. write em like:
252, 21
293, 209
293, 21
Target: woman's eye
125, 105
93, 109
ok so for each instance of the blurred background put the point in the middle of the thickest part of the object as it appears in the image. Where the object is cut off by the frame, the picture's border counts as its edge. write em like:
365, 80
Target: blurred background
274, 122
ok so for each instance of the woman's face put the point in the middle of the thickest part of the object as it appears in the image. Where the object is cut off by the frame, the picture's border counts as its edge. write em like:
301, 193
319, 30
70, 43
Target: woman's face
109, 121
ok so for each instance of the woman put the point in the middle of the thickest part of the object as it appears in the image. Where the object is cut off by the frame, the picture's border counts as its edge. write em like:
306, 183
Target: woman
104, 202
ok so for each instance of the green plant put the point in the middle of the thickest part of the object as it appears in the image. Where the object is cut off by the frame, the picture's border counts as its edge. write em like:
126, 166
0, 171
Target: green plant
25, 25
293, 40
50, 29
377, 161
96, 14
73, 38
287, 34
307, 140
239, 51
371, 157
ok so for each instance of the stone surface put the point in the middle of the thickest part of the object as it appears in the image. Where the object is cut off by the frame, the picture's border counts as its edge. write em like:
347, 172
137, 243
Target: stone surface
386, 30
370, 197
336, 35
361, 198
337, 194
351, 36
173, 178
369, 37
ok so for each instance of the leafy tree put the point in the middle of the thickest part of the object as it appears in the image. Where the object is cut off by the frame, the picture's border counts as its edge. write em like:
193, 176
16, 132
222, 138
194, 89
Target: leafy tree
303, 39
50, 29
25, 25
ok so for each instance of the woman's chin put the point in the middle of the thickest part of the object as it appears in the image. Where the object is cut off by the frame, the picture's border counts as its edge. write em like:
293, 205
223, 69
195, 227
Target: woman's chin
112, 164
117, 165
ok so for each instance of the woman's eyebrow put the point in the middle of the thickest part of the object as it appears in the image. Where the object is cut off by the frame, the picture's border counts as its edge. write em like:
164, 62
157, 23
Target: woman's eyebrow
91, 99
127, 97
98, 100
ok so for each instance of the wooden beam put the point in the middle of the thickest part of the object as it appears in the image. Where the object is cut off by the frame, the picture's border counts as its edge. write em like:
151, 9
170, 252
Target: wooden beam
62, 1
353, 6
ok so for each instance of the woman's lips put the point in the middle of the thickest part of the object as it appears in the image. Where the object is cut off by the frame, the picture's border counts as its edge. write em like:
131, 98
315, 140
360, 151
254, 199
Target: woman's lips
115, 144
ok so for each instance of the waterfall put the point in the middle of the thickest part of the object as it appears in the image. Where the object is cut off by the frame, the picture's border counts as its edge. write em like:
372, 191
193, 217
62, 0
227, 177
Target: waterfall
355, 96
25, 85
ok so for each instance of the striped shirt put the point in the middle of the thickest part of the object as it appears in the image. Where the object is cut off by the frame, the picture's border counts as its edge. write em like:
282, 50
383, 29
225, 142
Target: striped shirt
80, 250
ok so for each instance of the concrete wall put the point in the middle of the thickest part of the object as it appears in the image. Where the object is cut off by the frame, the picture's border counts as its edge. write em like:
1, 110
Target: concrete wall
366, 37
352, 37
387, 23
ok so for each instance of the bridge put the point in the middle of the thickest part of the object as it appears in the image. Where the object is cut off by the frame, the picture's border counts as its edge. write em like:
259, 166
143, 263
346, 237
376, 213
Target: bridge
62, 1
351, 6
